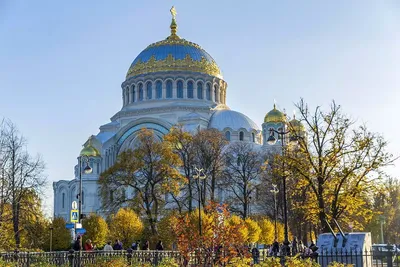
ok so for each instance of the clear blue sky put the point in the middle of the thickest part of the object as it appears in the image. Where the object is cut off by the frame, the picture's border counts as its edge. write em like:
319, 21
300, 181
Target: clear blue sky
62, 62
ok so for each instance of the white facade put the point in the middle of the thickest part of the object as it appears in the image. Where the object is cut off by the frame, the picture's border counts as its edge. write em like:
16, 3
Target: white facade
159, 92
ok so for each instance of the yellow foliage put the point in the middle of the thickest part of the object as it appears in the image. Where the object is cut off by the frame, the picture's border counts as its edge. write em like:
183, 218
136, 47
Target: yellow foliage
235, 220
61, 236
96, 229
165, 234
253, 229
125, 226
267, 231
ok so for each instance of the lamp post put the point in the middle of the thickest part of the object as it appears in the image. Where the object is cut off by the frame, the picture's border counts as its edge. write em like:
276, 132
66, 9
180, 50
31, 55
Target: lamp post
271, 141
86, 170
199, 174
382, 221
275, 191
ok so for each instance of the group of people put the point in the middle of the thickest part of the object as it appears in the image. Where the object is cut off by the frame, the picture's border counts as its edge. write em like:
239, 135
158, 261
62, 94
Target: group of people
137, 245
292, 248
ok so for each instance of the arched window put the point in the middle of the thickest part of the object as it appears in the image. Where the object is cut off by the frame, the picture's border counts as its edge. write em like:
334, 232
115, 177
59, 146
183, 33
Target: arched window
98, 167
83, 198
127, 95
149, 91
158, 90
133, 93
190, 89
241, 136
199, 90
253, 137
140, 92
63, 200
215, 93
228, 135
208, 92
169, 89
179, 88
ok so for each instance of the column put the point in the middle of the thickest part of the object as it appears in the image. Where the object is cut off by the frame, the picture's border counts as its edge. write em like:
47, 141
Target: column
131, 92
174, 90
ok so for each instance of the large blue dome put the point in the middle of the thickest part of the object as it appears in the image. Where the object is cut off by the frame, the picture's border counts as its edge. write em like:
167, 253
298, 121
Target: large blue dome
174, 54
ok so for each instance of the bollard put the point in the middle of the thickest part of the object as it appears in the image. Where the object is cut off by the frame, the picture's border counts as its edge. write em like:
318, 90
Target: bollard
129, 255
71, 258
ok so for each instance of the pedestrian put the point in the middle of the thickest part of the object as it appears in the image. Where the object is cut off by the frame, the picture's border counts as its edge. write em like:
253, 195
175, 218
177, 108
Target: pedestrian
88, 245
145, 245
295, 248
117, 245
135, 245
275, 248
108, 247
255, 253
77, 245
159, 246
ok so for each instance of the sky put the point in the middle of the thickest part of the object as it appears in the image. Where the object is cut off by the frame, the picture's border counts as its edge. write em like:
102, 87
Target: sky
62, 62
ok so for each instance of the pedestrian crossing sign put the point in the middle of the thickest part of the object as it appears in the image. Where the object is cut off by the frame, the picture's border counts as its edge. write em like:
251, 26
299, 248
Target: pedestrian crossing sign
74, 216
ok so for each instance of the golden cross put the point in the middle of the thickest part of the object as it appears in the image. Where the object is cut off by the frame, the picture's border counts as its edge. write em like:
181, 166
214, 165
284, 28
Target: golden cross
173, 12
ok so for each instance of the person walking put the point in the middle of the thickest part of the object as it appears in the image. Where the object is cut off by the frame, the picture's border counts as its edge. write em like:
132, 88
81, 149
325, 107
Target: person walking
78, 245
295, 247
255, 253
108, 247
88, 245
135, 245
117, 245
160, 245
145, 245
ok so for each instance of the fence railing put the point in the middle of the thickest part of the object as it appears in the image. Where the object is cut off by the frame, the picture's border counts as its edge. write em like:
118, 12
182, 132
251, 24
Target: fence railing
135, 258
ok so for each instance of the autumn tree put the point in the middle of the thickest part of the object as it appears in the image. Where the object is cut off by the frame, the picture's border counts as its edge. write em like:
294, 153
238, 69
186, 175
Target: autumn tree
61, 235
218, 231
21, 174
336, 161
386, 210
126, 226
253, 229
96, 229
151, 170
182, 144
209, 147
164, 227
267, 231
243, 165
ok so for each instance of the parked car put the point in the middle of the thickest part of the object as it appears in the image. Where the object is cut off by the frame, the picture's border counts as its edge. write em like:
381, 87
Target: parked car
380, 251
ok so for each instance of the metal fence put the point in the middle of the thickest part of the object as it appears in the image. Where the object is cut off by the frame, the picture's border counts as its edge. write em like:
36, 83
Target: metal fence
135, 258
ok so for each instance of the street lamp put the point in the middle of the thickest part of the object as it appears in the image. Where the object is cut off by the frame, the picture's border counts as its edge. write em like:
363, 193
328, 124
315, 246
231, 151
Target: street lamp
275, 191
199, 174
86, 170
272, 141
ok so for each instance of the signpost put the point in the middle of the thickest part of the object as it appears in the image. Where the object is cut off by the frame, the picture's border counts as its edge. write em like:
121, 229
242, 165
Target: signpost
74, 216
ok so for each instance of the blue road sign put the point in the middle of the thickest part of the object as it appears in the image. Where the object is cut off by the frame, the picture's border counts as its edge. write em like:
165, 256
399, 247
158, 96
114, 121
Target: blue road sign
70, 225
81, 231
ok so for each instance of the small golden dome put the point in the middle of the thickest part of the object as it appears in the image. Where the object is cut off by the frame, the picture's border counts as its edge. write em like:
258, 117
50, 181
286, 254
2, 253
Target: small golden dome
89, 150
274, 116
296, 125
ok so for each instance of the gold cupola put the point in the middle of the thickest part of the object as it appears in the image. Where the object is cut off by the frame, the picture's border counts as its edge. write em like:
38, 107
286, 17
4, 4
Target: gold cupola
275, 116
296, 125
89, 150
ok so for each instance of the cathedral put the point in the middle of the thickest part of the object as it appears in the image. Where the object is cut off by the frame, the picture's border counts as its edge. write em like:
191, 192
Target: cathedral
173, 81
